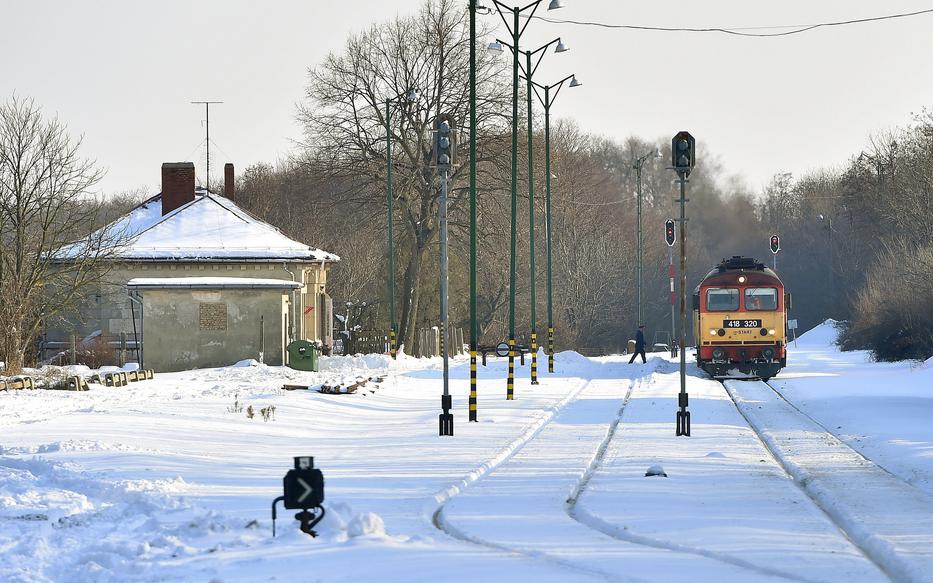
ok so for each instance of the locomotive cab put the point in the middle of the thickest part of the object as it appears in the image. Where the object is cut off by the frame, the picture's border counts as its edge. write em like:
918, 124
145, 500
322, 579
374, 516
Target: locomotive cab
740, 319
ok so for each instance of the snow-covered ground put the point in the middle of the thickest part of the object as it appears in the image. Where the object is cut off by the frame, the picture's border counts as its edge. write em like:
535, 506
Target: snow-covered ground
170, 480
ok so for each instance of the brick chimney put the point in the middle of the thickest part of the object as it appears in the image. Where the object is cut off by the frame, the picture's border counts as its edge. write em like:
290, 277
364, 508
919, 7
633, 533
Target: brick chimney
177, 185
228, 181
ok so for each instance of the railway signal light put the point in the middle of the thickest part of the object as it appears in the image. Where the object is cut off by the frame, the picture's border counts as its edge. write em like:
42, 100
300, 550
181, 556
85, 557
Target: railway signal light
304, 490
683, 152
669, 233
443, 143
775, 244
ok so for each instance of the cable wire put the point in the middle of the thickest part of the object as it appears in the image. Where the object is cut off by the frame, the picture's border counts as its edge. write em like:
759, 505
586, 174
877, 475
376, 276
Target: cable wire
741, 30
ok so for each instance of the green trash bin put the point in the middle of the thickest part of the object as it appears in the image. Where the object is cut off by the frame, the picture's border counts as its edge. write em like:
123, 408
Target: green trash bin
303, 355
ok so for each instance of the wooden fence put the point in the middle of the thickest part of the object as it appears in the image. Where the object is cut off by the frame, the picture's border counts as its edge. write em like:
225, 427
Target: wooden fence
429, 343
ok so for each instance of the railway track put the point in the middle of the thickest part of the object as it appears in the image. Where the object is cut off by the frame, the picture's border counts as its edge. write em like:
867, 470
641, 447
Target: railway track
836, 477
624, 555
444, 525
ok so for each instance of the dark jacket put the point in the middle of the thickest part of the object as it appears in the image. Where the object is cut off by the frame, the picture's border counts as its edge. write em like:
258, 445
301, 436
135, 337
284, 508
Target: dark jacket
639, 340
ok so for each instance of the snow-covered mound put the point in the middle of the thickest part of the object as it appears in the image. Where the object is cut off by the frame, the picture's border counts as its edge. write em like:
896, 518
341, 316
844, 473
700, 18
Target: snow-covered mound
825, 334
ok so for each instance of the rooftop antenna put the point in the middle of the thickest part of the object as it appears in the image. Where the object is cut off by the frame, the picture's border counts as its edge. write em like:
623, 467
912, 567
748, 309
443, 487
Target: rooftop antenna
207, 125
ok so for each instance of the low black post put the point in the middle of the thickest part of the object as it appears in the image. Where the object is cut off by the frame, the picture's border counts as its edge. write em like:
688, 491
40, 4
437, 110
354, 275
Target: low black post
683, 416
446, 419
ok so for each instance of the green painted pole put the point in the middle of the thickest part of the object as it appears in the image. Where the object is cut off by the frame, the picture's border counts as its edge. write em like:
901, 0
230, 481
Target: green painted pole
547, 226
510, 383
474, 334
390, 252
531, 227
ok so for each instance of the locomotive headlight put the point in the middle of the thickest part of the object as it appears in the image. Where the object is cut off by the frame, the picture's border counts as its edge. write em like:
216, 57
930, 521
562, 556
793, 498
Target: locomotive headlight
712, 332
741, 279
721, 332
717, 353
768, 353
771, 331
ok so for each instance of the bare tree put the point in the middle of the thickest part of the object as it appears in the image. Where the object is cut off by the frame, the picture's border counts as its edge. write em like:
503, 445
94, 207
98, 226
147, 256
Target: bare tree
345, 125
50, 248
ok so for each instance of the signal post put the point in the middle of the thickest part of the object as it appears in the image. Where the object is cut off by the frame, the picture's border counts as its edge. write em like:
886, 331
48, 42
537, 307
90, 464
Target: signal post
683, 157
443, 160
775, 247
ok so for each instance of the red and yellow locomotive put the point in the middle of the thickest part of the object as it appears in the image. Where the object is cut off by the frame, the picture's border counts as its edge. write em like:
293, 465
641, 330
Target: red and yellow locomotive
740, 320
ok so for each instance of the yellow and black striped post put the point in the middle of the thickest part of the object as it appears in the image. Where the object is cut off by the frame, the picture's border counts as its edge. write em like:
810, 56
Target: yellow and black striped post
473, 382
550, 349
510, 384
534, 357
393, 343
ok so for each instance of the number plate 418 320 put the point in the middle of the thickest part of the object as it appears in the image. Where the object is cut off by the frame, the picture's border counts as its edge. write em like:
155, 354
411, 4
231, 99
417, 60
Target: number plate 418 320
741, 323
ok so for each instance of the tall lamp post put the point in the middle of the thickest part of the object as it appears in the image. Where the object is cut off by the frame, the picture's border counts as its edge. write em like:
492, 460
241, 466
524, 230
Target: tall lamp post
408, 96
516, 30
832, 269
529, 71
474, 329
546, 102
637, 164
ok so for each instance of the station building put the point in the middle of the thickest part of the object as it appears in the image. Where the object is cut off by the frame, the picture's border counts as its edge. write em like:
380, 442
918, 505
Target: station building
199, 282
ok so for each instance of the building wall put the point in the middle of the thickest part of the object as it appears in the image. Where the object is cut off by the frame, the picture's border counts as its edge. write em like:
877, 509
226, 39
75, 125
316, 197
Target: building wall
109, 309
186, 329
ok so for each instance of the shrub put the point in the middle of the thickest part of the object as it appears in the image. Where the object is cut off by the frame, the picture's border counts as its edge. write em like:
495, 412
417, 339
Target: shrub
893, 312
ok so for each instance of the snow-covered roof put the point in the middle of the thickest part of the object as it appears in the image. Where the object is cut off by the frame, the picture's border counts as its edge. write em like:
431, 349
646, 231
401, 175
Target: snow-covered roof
211, 283
211, 227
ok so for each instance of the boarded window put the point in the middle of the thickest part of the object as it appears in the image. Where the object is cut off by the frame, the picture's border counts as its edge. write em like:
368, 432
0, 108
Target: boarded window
212, 315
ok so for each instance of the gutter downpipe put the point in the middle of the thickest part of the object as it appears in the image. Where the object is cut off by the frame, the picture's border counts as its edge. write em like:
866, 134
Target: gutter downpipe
293, 320
139, 346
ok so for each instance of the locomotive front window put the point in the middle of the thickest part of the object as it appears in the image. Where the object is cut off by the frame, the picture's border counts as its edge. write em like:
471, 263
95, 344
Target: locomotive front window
722, 299
760, 298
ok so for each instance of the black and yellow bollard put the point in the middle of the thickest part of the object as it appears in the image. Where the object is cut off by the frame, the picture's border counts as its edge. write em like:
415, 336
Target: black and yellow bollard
393, 343
550, 349
473, 382
534, 357
510, 384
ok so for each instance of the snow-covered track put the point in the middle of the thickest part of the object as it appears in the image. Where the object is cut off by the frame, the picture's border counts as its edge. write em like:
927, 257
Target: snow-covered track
887, 518
444, 496
506, 511
582, 515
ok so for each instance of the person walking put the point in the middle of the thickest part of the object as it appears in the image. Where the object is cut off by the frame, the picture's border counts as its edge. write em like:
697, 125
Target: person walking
639, 344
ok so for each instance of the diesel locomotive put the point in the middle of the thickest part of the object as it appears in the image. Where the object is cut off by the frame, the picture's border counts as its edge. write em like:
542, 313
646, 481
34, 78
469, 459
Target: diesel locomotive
740, 320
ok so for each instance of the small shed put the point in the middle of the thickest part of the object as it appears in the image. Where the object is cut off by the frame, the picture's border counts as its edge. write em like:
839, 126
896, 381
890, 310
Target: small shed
193, 322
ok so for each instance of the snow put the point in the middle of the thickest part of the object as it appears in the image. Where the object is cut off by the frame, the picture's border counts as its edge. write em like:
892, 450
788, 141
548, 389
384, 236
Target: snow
169, 479
211, 282
209, 227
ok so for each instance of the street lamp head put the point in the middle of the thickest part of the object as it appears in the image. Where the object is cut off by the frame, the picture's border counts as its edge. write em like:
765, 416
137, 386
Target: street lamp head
555, 4
412, 95
495, 47
482, 8
561, 47
574, 82
820, 217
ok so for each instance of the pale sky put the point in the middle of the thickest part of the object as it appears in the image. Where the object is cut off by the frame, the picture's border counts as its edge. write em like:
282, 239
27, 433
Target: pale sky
122, 73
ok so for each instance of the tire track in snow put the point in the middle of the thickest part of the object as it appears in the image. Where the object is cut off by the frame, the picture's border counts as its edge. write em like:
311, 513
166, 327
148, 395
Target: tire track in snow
901, 555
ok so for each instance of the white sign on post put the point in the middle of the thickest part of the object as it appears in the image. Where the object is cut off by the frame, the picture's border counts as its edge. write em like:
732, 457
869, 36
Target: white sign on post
792, 324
